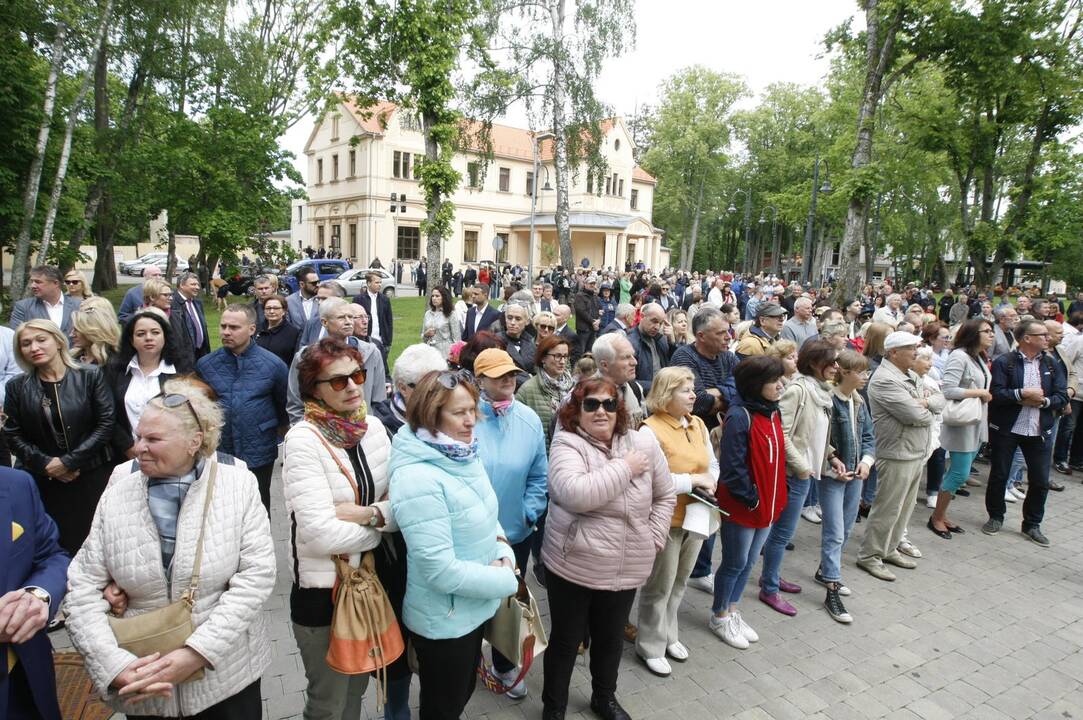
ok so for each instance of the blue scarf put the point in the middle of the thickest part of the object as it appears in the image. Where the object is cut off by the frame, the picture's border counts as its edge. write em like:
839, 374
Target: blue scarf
448, 446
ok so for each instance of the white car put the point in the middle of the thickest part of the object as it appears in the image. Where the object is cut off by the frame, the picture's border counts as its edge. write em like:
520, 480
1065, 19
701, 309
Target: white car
354, 281
135, 267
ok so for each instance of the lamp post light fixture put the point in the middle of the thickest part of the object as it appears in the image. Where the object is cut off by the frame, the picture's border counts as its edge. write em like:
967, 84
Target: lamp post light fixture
747, 221
775, 249
534, 200
806, 259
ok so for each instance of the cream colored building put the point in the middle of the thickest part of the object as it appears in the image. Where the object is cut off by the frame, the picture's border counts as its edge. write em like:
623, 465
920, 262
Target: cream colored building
364, 198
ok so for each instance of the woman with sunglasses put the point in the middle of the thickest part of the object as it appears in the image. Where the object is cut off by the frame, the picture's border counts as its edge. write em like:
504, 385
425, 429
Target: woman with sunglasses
278, 335
806, 413
439, 327
59, 426
544, 392
94, 332
840, 494
335, 482
76, 285
459, 562
139, 371
611, 500
545, 323
145, 540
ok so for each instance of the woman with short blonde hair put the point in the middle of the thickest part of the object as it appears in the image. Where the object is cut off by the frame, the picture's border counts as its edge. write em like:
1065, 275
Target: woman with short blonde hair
76, 285
95, 332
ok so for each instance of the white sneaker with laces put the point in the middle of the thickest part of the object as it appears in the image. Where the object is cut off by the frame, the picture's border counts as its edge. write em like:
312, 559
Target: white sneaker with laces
705, 583
819, 511
908, 548
809, 513
1019, 494
1008, 497
517, 691
746, 629
730, 632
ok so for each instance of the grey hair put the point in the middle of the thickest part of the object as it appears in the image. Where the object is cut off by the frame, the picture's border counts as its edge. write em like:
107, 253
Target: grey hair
206, 410
803, 302
1001, 311
925, 352
1026, 325
50, 272
704, 316
415, 362
265, 278
329, 306
336, 287
186, 276
624, 310
604, 349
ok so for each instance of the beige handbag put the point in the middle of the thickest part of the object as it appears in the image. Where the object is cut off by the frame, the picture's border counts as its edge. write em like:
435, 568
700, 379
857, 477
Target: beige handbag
517, 632
166, 629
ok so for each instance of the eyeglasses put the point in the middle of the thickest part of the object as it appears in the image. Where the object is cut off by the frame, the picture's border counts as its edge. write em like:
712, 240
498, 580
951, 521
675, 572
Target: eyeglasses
558, 356
338, 382
175, 400
592, 404
73, 282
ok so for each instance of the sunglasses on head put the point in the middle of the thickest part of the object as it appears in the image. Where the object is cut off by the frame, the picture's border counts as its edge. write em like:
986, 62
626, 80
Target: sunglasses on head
175, 400
338, 382
592, 404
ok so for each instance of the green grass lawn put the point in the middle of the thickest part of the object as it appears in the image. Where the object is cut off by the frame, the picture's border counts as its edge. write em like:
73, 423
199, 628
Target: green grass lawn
406, 311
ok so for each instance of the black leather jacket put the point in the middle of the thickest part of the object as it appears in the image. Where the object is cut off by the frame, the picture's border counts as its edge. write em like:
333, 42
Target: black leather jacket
86, 410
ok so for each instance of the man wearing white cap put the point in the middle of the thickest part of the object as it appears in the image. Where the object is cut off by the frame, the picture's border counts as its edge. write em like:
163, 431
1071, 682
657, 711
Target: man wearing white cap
902, 419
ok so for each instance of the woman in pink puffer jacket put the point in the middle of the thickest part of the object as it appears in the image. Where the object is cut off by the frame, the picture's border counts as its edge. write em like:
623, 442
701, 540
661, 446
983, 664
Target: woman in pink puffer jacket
610, 503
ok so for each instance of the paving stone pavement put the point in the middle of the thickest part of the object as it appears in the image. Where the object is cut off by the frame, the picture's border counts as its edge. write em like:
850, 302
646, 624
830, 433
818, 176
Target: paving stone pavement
988, 628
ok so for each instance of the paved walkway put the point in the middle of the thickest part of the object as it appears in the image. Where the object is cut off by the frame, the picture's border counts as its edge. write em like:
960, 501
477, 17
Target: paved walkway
987, 628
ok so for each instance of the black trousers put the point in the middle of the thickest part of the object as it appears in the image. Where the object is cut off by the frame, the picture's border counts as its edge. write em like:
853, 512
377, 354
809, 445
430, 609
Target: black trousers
245, 705
72, 505
448, 670
263, 477
522, 555
574, 609
1036, 454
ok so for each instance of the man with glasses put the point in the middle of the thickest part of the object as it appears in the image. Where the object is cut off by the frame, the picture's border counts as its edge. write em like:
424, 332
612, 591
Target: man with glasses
251, 386
304, 304
48, 301
1028, 389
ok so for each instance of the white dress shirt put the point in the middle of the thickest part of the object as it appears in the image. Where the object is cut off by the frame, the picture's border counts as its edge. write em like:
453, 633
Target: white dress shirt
56, 312
374, 317
143, 388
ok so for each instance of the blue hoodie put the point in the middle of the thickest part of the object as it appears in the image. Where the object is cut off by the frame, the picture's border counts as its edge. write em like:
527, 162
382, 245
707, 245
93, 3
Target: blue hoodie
448, 515
512, 448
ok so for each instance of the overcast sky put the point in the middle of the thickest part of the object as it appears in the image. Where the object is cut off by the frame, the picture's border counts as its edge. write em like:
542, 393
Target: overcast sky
766, 41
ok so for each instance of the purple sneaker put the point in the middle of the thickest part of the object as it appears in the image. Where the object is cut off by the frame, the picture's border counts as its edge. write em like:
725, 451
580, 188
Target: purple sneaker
777, 603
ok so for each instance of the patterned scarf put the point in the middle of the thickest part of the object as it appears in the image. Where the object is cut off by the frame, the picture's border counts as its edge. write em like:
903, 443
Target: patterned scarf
448, 446
343, 431
500, 407
556, 388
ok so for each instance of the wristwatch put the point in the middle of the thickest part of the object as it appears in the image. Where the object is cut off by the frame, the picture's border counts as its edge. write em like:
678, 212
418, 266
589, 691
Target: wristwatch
39, 594
376, 518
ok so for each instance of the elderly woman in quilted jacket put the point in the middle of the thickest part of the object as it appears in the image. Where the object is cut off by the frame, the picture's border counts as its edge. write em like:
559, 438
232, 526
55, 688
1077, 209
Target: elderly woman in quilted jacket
610, 503
144, 540
335, 483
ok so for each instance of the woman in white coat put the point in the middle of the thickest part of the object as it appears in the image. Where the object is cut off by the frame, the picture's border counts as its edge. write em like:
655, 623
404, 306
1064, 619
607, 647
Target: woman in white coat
144, 539
335, 482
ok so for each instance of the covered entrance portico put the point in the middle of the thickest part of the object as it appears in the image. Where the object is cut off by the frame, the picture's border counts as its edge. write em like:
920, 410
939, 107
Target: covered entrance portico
604, 240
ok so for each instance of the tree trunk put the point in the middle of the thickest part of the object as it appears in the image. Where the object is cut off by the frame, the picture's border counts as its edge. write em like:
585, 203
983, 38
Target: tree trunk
434, 241
20, 266
65, 152
879, 52
686, 259
560, 139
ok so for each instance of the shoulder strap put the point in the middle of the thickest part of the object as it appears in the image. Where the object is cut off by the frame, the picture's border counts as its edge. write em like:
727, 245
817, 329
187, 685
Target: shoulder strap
347, 473
198, 562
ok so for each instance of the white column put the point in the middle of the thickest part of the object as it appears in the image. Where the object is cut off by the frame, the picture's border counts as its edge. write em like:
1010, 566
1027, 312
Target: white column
611, 243
622, 251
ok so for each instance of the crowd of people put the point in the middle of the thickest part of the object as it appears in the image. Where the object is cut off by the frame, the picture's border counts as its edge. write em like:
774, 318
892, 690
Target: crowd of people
595, 430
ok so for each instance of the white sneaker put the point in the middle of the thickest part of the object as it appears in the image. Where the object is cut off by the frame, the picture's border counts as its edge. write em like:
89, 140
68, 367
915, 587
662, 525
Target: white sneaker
930, 501
729, 631
746, 630
657, 666
1019, 494
819, 511
677, 651
517, 691
809, 513
705, 583
908, 548
1008, 497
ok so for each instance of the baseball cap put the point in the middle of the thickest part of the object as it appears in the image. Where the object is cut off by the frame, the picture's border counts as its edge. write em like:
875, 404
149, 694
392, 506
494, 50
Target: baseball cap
770, 309
494, 363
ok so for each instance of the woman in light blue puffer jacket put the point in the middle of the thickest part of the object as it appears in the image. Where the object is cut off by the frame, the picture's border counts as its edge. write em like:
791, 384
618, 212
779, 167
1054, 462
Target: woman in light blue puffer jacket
459, 563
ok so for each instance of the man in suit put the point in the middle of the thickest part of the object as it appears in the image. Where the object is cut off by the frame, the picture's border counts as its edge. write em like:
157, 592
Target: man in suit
651, 348
1028, 389
47, 303
186, 302
470, 276
133, 299
482, 315
622, 320
33, 570
378, 307
304, 305
314, 328
562, 313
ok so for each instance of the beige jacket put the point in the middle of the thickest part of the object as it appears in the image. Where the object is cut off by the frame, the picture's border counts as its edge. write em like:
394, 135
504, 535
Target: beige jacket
903, 427
800, 414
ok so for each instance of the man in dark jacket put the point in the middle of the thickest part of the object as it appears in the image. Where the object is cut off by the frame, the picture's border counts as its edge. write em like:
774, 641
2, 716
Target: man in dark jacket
251, 386
482, 315
650, 345
48, 301
1028, 390
378, 307
711, 362
587, 314
186, 303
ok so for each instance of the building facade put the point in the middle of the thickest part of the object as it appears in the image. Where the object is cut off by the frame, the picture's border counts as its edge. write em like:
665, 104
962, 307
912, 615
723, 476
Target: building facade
365, 201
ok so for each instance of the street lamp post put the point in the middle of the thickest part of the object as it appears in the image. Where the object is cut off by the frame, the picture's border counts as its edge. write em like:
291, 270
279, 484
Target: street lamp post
534, 202
806, 259
747, 220
774, 237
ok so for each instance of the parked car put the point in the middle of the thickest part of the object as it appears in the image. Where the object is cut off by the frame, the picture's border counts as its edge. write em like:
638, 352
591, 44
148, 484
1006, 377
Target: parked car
135, 267
326, 269
242, 282
354, 281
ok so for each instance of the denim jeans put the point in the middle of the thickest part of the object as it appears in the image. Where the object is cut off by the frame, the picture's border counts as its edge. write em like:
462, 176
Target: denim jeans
1052, 442
868, 489
813, 497
934, 472
397, 705
740, 548
782, 532
1015, 474
838, 502
1067, 433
